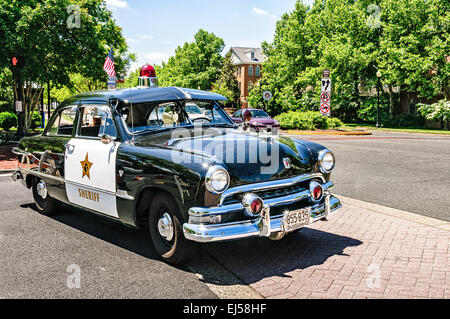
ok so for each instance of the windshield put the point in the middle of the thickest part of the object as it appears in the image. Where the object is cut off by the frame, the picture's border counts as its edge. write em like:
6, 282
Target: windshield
259, 113
173, 114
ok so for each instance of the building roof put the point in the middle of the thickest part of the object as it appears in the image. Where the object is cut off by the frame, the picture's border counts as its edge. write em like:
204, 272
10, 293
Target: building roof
141, 95
242, 55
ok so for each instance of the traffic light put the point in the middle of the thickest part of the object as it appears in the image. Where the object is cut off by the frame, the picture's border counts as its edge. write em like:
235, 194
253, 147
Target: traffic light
17, 62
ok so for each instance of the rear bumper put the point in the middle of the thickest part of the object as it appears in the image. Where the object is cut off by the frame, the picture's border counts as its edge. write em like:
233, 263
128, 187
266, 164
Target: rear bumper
260, 227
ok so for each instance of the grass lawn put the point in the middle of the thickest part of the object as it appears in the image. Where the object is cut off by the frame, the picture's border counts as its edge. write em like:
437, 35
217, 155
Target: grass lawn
399, 129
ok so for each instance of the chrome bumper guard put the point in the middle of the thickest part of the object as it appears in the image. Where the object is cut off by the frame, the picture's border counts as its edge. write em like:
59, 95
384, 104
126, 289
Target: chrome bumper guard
263, 226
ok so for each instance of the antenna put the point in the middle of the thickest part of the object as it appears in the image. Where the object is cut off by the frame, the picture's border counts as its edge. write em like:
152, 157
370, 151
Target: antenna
132, 119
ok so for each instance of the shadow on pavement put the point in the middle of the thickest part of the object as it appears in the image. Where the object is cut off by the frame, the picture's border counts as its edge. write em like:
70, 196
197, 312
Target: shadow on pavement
255, 259
134, 240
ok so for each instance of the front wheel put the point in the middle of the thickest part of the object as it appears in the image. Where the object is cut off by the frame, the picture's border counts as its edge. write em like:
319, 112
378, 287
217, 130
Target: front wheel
166, 230
44, 203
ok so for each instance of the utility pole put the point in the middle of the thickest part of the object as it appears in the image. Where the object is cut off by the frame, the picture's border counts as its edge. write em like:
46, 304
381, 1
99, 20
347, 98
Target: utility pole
17, 64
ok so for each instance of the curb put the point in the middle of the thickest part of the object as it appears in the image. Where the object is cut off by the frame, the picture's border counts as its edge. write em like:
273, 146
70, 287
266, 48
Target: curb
5, 177
326, 133
411, 217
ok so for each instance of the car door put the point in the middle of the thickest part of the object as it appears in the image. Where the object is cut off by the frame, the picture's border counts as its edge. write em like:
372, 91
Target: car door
91, 161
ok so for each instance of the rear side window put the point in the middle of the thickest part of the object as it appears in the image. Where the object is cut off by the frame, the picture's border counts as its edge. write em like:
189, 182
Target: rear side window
63, 123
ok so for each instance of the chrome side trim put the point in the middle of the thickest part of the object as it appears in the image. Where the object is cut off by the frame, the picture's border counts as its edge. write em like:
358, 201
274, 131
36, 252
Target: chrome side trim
40, 174
268, 185
123, 194
252, 228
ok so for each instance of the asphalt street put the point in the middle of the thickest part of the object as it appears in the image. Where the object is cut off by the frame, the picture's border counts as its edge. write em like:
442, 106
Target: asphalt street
40, 256
410, 172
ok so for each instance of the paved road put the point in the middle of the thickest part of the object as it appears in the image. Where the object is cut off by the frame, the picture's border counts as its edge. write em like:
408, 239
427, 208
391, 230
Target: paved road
409, 172
38, 254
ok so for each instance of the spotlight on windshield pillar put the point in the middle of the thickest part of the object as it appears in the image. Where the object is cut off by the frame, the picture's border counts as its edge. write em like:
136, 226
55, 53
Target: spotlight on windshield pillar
147, 77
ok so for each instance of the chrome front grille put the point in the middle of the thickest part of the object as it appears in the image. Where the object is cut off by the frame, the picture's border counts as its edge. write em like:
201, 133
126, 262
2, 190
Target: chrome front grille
270, 189
269, 193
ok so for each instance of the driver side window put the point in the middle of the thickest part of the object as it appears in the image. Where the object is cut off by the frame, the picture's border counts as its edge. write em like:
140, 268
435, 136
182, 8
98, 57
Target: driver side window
96, 121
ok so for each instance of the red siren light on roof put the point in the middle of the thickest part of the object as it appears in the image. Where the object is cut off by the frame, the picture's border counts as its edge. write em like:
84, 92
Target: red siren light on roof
147, 76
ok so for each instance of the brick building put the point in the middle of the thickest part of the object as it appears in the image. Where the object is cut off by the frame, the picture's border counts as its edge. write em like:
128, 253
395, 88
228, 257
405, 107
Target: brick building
249, 62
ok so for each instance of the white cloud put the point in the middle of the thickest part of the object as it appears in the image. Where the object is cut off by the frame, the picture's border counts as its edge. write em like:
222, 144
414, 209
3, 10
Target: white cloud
156, 57
117, 3
145, 36
260, 11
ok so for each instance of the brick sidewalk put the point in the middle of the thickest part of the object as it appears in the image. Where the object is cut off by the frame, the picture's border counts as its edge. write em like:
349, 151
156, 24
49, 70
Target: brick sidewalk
358, 253
8, 160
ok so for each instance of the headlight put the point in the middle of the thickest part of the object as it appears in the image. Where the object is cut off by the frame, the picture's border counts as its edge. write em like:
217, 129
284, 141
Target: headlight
217, 179
326, 161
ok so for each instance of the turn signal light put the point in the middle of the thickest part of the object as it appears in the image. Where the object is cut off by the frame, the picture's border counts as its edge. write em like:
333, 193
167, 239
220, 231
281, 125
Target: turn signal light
256, 206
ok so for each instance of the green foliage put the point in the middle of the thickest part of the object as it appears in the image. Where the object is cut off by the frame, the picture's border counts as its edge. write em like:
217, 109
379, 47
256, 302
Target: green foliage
36, 120
195, 65
307, 120
227, 84
406, 40
439, 111
38, 31
7, 120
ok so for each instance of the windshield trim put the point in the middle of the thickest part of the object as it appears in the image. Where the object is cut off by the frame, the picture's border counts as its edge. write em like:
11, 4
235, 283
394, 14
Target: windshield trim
191, 124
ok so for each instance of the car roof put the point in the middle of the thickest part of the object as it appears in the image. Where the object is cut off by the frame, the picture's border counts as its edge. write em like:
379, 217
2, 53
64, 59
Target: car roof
141, 95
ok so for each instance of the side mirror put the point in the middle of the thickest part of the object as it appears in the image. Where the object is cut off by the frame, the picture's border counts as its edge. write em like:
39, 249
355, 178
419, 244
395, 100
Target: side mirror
246, 116
106, 139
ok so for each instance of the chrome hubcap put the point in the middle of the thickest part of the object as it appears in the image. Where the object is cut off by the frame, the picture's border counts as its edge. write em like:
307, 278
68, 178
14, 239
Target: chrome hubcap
165, 227
41, 189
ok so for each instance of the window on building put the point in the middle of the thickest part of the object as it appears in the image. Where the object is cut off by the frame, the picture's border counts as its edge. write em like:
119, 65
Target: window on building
258, 71
252, 55
250, 70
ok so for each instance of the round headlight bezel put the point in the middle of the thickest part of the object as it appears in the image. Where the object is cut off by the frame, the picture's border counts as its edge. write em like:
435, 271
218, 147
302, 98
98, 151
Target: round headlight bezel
322, 158
209, 179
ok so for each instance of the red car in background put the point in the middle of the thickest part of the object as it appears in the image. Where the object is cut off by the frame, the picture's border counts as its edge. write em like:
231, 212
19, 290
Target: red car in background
260, 120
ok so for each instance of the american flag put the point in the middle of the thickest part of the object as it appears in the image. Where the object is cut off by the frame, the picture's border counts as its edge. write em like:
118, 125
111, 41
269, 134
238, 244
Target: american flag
109, 64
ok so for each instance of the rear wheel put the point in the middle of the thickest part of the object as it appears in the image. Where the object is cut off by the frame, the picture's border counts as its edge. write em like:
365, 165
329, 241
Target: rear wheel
44, 203
166, 230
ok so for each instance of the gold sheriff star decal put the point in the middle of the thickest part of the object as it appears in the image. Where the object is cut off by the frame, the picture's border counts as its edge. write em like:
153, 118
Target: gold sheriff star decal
86, 166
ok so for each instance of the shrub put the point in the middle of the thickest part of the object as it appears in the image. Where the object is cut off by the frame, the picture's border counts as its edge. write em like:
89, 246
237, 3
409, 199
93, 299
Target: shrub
7, 120
308, 120
36, 120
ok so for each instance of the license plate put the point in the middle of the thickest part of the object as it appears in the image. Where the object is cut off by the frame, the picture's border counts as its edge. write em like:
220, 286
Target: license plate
296, 219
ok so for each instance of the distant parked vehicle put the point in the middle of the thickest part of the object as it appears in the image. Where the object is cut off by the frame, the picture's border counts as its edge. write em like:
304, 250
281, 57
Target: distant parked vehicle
260, 120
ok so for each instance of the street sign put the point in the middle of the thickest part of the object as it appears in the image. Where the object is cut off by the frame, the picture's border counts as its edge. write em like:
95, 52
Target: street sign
267, 95
326, 85
325, 97
18, 106
326, 73
112, 83
325, 108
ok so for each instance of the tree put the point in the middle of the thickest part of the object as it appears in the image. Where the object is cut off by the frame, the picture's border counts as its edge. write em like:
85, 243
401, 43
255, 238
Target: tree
227, 84
195, 65
415, 46
407, 40
54, 39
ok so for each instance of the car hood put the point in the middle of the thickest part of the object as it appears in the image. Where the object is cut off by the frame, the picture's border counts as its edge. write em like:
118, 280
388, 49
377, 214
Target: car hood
262, 120
248, 157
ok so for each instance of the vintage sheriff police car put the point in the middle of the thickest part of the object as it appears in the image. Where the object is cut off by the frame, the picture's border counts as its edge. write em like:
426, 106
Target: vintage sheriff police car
138, 157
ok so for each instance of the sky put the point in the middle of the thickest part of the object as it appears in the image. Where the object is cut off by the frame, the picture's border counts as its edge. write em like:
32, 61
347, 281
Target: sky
154, 29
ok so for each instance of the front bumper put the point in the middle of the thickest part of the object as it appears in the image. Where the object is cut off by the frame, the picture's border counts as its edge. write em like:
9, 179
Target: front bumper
262, 226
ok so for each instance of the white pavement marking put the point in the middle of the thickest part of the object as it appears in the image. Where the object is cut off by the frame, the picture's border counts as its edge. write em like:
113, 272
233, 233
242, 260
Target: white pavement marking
420, 219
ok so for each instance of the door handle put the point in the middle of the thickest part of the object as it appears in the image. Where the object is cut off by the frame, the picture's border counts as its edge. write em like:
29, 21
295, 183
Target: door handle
70, 147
